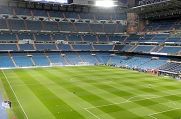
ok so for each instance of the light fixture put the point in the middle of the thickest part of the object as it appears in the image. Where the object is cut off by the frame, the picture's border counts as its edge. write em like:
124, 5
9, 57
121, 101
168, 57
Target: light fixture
105, 3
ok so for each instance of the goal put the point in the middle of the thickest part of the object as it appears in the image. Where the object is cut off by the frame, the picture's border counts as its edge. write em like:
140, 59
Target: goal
83, 63
56, 64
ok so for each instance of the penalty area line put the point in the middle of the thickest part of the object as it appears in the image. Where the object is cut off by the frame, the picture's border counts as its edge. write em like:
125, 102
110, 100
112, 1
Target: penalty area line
15, 94
147, 97
91, 113
126, 101
152, 115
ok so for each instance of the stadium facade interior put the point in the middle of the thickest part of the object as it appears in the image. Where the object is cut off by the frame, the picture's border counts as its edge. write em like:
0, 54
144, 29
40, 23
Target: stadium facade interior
46, 37
43, 43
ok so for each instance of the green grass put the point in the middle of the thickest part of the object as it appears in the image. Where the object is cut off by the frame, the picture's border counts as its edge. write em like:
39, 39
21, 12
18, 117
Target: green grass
94, 92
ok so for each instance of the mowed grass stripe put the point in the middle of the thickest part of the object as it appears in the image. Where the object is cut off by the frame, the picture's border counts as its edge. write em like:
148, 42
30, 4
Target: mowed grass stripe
94, 80
153, 105
94, 99
162, 102
109, 108
56, 106
174, 114
16, 108
127, 76
121, 79
27, 98
69, 76
68, 96
150, 102
143, 88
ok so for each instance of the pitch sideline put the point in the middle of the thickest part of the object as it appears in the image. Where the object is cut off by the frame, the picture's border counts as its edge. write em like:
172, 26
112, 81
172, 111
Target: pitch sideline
15, 94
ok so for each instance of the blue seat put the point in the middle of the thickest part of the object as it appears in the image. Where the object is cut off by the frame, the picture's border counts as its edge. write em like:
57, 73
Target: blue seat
66, 26
5, 61
22, 60
24, 47
3, 24
73, 58
8, 47
170, 49
56, 58
96, 28
103, 47
34, 25
89, 37
110, 28
22, 11
23, 36
87, 57
42, 37
64, 47
42, 47
143, 48
82, 27
74, 37
82, 47
59, 36
7, 36
50, 26
16, 24
40, 59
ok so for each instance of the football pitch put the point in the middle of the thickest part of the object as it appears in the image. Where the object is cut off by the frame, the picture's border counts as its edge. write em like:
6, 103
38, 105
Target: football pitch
89, 92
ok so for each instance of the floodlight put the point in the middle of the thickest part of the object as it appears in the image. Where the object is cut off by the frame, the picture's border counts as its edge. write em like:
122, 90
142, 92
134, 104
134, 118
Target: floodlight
105, 3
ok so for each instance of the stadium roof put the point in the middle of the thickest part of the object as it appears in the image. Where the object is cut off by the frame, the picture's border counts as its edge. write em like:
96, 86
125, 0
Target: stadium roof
167, 8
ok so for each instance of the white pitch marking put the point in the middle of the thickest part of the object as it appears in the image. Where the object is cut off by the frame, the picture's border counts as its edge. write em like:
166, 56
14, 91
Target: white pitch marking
14, 94
92, 113
164, 111
126, 101
152, 117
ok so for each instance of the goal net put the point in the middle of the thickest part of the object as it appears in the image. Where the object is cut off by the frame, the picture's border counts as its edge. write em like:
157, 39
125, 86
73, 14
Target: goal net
83, 63
56, 64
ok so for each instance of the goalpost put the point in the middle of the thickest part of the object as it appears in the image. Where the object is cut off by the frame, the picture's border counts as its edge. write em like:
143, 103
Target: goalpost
56, 64
83, 63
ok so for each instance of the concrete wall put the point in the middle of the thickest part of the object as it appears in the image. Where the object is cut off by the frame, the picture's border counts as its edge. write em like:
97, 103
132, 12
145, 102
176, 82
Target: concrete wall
4, 2
131, 3
83, 2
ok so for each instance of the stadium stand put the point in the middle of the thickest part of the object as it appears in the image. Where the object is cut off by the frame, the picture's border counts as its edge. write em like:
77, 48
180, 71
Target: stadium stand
84, 47
56, 59
25, 36
22, 60
64, 47
74, 37
89, 58
171, 67
89, 38
71, 38
7, 36
40, 59
103, 47
45, 47
26, 47
6, 61
104, 54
